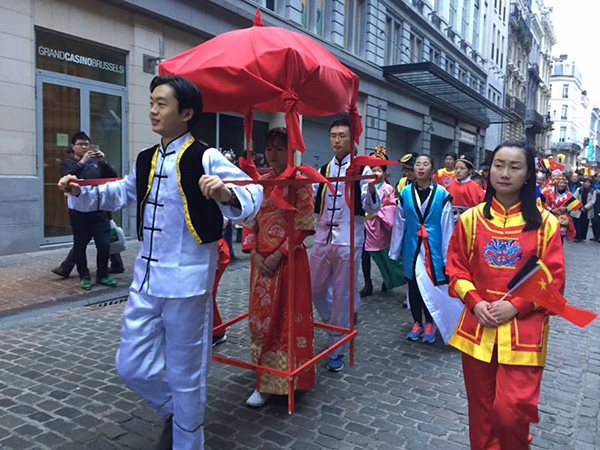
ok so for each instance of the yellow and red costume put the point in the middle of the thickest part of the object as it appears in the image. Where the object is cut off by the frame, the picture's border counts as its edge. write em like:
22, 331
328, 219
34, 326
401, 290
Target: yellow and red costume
444, 177
502, 366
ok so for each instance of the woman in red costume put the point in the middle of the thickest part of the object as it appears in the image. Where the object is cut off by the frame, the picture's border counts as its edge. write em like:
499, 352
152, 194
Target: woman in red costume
503, 341
464, 191
267, 241
562, 203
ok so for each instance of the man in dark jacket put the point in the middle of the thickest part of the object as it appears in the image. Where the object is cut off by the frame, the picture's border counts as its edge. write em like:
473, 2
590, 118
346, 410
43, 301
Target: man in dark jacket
89, 163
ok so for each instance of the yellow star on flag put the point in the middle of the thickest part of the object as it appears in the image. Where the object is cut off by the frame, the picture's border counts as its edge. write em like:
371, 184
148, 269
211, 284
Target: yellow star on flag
543, 285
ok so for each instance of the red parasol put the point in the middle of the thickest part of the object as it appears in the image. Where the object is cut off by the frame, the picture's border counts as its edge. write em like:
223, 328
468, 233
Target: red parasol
270, 69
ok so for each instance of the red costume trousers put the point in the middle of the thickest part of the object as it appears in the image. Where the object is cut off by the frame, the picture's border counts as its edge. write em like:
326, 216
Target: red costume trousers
503, 401
222, 263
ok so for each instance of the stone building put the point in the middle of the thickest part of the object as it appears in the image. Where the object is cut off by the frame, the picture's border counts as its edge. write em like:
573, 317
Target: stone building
68, 65
571, 112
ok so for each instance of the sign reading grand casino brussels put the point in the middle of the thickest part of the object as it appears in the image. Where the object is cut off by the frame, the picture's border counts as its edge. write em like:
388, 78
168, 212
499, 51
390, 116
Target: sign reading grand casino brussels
58, 53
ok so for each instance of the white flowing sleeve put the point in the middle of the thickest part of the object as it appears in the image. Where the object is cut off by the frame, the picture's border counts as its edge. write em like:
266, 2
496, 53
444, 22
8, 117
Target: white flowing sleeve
447, 228
250, 196
366, 199
397, 233
110, 196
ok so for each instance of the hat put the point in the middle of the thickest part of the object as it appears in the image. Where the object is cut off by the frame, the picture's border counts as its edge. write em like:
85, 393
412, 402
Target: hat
408, 160
379, 152
468, 160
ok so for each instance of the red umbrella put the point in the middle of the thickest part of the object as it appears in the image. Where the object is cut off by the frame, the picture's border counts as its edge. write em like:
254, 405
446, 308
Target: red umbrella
270, 69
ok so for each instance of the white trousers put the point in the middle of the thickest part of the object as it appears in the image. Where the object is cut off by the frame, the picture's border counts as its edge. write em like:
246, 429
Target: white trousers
163, 356
330, 279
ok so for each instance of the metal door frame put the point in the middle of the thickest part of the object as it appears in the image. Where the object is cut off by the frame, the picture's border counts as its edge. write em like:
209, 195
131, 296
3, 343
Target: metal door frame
85, 86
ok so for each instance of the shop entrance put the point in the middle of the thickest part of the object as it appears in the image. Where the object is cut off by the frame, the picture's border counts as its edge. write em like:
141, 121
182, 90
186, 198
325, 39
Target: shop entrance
65, 105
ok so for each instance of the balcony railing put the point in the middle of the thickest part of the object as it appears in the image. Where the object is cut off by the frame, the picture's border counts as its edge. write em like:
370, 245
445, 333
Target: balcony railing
567, 146
521, 26
534, 118
515, 105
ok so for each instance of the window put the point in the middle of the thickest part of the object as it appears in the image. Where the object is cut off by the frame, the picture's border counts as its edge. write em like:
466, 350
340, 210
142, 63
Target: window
563, 113
450, 66
355, 26
269, 4
476, 25
563, 134
416, 48
554, 113
565, 93
435, 55
393, 41
453, 13
437, 6
465, 19
502, 55
314, 15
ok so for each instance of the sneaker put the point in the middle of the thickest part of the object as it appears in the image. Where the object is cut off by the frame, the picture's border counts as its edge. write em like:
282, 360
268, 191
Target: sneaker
429, 335
256, 400
60, 272
112, 269
106, 281
415, 333
86, 283
219, 340
335, 364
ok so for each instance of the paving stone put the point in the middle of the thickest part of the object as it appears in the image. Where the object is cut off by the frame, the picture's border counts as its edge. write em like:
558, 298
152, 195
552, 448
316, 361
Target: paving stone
398, 395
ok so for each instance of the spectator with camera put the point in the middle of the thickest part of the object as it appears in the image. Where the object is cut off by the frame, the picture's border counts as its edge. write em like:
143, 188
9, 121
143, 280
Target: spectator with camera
87, 162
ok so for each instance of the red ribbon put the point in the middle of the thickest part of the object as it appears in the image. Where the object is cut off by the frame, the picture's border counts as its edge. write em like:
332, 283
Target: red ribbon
292, 121
249, 168
422, 233
95, 181
355, 123
355, 165
290, 173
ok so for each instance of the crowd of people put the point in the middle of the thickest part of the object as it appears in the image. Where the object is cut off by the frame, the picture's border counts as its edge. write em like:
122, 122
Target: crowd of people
455, 236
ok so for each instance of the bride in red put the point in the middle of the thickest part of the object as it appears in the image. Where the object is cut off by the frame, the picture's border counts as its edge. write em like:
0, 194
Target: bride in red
266, 239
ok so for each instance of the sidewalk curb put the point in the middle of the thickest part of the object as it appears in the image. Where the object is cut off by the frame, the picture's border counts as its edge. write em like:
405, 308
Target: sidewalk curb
85, 299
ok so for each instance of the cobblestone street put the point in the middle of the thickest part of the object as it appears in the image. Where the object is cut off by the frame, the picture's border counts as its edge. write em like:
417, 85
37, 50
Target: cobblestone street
59, 390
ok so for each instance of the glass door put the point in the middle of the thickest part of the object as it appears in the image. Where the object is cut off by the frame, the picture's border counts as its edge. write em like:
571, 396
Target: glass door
106, 130
61, 112
66, 105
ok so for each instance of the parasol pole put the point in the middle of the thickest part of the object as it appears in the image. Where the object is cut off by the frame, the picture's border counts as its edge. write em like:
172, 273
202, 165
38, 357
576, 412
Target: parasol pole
291, 294
352, 280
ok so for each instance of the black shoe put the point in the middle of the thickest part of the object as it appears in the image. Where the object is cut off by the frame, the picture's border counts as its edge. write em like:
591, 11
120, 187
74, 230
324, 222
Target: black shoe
165, 442
219, 340
367, 291
116, 269
61, 272
383, 287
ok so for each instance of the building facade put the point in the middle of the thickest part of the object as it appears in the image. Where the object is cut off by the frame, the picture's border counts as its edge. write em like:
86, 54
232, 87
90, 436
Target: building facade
538, 123
571, 112
520, 40
69, 65
495, 50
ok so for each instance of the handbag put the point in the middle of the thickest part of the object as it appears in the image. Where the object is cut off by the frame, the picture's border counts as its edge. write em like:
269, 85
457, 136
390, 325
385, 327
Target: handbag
116, 239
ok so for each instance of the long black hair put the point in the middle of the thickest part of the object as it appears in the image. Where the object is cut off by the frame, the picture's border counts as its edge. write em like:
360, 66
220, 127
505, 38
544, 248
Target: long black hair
528, 197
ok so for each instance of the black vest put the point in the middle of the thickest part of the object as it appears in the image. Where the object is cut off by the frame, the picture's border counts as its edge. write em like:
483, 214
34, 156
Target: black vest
203, 217
319, 201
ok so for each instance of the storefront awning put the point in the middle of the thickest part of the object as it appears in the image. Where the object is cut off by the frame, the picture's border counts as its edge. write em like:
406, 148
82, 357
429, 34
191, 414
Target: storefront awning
446, 93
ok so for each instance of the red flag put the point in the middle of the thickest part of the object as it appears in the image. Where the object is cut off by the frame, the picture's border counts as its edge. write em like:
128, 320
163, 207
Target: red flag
534, 283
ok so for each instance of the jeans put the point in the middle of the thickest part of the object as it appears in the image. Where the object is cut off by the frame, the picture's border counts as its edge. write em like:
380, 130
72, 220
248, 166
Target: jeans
88, 225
